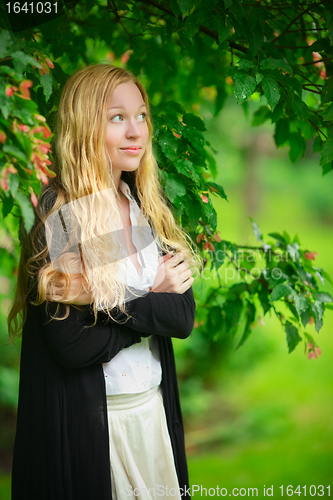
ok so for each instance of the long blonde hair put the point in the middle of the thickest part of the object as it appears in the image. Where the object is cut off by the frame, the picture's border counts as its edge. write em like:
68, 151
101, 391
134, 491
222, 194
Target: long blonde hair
82, 170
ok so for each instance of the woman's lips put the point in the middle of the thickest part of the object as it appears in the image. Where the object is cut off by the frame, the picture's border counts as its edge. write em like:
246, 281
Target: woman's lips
132, 151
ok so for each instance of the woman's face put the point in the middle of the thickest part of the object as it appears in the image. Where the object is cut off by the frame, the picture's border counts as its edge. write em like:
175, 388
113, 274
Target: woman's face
127, 130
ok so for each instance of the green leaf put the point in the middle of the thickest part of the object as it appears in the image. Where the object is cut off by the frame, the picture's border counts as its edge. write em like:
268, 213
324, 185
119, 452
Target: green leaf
330, 29
327, 91
193, 211
187, 168
297, 146
196, 139
245, 65
260, 116
13, 184
278, 236
4, 43
294, 84
280, 291
169, 145
46, 82
5, 106
212, 164
14, 151
7, 206
25, 59
323, 297
293, 337
174, 187
300, 108
259, 77
305, 317
251, 313
26, 210
300, 302
173, 107
326, 276
256, 230
220, 190
194, 121
209, 212
276, 64
185, 6
244, 86
327, 167
326, 154
222, 30
320, 45
318, 309
281, 135
328, 114
271, 91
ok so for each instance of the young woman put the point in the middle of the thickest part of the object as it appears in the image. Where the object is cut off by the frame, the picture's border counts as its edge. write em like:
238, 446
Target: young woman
99, 414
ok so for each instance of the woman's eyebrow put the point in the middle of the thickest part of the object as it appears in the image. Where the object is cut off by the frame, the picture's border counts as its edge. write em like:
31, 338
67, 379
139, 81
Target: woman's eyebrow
122, 107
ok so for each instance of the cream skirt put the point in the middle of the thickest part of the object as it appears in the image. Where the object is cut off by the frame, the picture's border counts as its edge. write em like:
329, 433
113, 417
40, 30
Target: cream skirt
142, 463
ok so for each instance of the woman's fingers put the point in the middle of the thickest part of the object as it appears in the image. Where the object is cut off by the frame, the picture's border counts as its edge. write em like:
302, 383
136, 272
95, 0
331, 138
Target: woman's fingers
186, 285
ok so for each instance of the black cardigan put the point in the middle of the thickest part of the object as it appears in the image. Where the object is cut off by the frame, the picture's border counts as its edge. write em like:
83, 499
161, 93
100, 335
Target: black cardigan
61, 447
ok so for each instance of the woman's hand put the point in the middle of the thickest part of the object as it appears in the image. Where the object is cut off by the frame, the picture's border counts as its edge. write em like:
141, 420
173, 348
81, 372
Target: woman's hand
56, 292
171, 276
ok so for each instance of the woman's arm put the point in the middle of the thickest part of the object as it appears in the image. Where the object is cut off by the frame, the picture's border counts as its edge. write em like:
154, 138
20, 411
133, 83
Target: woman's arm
168, 310
75, 346
167, 314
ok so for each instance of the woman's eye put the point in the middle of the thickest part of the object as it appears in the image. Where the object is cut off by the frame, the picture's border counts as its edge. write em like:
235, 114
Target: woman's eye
116, 118
142, 117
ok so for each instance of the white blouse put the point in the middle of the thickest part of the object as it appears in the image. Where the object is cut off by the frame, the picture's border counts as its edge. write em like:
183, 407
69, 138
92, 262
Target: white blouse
136, 368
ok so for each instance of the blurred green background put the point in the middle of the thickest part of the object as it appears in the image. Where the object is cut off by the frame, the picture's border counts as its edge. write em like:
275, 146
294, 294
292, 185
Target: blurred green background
269, 419
266, 417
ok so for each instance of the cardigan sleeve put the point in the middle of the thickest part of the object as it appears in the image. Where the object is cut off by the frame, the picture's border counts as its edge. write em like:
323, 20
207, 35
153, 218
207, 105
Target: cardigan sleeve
74, 345
163, 313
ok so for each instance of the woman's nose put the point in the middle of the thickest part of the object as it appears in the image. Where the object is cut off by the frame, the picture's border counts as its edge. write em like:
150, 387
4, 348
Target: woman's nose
133, 129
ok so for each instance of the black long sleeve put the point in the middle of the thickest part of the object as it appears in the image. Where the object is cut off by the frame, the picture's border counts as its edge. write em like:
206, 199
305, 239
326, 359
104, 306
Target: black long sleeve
167, 314
74, 345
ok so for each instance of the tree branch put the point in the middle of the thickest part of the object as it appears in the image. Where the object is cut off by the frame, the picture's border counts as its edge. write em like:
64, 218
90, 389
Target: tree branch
292, 22
203, 29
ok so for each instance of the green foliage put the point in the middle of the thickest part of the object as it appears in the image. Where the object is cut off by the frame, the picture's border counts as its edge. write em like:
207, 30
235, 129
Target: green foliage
23, 158
189, 52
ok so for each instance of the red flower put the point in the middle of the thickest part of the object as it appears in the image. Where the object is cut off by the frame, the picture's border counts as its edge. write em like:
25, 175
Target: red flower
3, 137
23, 128
24, 88
44, 147
314, 351
46, 132
44, 69
4, 184
204, 198
9, 91
12, 169
34, 199
35, 130
175, 134
310, 255
49, 63
199, 237
217, 238
125, 57
40, 118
